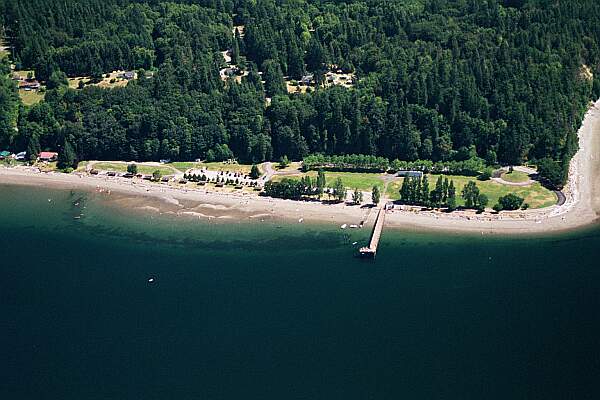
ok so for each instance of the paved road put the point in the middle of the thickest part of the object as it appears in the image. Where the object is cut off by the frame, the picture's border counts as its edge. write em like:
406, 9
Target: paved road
529, 171
269, 172
178, 174
561, 198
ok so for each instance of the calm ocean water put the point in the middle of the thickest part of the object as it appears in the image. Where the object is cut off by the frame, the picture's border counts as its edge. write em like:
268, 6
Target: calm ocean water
262, 311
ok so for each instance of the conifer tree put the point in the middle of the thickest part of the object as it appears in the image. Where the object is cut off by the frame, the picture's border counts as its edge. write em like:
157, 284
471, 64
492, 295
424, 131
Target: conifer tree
254, 172
451, 196
445, 191
67, 157
405, 191
321, 182
425, 191
375, 195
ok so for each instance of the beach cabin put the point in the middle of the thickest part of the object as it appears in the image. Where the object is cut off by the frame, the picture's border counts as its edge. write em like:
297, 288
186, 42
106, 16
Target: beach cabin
4, 154
21, 156
47, 156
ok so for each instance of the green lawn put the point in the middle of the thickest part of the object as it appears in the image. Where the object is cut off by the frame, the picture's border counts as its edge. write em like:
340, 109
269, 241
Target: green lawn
74, 82
46, 166
24, 73
183, 165
31, 97
535, 195
294, 166
82, 166
351, 180
515, 177
142, 169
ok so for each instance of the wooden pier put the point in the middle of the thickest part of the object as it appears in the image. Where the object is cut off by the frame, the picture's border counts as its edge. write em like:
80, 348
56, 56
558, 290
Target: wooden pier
371, 250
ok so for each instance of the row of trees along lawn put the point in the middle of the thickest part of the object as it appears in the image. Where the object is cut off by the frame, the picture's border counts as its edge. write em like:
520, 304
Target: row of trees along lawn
345, 162
435, 80
416, 191
306, 187
358, 162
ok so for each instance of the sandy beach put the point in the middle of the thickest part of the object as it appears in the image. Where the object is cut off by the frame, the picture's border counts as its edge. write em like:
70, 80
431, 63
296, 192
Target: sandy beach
582, 206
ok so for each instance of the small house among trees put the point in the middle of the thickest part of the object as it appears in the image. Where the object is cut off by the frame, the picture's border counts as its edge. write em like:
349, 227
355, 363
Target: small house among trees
47, 156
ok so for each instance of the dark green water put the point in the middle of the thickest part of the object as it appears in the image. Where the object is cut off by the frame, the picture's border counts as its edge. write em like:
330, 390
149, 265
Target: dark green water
265, 312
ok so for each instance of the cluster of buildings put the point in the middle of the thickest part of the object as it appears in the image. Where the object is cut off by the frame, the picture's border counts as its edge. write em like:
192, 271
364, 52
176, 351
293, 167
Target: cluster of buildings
232, 71
127, 75
8, 155
26, 84
333, 76
45, 156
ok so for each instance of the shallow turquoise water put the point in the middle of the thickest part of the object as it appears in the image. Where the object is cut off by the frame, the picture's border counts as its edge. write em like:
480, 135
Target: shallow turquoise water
284, 311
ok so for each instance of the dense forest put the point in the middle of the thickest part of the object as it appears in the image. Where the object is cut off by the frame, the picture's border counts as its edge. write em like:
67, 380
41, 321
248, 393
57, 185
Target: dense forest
441, 80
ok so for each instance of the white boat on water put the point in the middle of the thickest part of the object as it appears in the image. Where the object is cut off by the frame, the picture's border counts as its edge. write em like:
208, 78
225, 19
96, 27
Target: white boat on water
344, 226
353, 226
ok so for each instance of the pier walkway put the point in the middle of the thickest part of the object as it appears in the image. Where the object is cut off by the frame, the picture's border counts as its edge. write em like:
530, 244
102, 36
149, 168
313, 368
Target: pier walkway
371, 250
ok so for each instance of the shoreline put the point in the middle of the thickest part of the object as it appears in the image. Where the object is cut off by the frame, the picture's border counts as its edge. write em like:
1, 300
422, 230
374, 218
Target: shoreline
581, 208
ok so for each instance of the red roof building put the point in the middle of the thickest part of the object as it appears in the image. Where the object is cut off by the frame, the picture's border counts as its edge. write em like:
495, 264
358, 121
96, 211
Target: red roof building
47, 156
31, 85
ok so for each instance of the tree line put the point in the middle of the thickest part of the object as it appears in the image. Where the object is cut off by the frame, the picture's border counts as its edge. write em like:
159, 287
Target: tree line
416, 191
437, 80
359, 162
307, 188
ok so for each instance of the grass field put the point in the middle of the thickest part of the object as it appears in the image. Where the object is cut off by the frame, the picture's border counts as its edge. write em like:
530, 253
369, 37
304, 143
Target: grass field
112, 81
142, 169
535, 195
515, 177
46, 166
74, 82
24, 73
4, 49
351, 180
31, 97
183, 165
82, 166
295, 166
